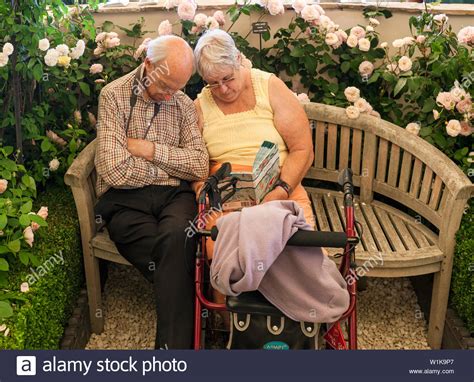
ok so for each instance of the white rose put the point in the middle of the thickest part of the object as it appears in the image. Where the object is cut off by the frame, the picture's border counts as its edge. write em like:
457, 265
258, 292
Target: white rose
363, 105
276, 7
3, 59
441, 18
8, 49
331, 39
54, 164
453, 128
398, 43
298, 5
374, 22
101, 37
384, 45
43, 44
326, 23
408, 40
310, 13
62, 49
165, 28
420, 39
51, 57
29, 236
413, 128
358, 31
352, 112
24, 287
405, 64
352, 41
369, 28
220, 17
212, 23
352, 93
364, 45
200, 20
435, 114
366, 68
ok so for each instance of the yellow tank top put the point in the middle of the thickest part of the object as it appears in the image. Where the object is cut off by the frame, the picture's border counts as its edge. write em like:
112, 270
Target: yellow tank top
236, 137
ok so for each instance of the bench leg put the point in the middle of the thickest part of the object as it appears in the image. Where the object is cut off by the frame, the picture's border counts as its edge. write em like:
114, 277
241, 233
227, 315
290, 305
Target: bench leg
439, 305
91, 266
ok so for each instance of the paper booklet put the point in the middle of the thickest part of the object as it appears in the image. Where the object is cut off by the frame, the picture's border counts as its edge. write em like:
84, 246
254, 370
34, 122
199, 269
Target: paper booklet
252, 187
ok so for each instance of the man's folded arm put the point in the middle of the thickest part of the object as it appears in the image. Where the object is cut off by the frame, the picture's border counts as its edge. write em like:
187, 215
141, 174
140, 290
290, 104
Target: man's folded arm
189, 161
115, 164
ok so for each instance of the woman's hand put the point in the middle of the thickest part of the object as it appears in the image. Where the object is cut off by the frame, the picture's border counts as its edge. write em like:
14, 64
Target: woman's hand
278, 193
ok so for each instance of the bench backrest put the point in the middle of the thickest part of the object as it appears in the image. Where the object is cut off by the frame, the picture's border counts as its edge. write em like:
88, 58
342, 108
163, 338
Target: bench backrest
387, 160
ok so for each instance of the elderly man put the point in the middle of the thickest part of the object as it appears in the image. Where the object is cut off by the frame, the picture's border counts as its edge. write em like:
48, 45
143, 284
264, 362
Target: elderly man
149, 147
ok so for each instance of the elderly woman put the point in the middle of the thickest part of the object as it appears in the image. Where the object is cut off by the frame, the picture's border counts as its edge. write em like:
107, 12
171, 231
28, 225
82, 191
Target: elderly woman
240, 107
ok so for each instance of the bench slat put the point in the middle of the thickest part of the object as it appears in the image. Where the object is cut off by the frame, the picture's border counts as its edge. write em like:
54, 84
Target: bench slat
344, 147
388, 227
321, 218
319, 145
405, 171
436, 193
426, 185
404, 233
394, 164
367, 239
374, 224
356, 151
416, 178
333, 215
382, 160
419, 237
442, 203
332, 147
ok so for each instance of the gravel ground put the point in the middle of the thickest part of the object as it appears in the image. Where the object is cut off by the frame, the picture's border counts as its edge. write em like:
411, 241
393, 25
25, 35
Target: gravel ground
389, 316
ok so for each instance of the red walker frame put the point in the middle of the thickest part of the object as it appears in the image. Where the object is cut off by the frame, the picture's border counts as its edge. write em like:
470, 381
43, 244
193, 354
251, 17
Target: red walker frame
347, 269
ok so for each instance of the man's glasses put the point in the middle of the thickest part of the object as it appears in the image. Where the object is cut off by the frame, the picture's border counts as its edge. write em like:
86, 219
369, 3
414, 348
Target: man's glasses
219, 83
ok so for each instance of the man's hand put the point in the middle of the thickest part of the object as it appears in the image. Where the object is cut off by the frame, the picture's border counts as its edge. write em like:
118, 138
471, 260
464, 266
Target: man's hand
277, 194
141, 148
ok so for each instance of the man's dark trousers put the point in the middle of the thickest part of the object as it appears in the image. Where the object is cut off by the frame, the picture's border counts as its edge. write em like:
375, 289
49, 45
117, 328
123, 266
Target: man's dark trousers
148, 227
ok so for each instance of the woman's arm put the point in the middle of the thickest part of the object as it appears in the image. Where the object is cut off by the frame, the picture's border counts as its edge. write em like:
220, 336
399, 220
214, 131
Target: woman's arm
293, 125
197, 185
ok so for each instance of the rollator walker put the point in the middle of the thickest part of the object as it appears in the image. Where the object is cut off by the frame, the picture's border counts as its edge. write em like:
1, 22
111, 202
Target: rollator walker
334, 337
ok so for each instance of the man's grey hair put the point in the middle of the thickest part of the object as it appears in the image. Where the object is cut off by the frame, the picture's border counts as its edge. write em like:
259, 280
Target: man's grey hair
157, 49
214, 50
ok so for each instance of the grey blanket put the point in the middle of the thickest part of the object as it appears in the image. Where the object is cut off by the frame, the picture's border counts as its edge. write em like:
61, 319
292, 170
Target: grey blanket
251, 253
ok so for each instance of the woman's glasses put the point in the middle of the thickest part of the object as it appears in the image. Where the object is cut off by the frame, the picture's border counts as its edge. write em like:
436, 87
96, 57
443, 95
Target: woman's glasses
219, 83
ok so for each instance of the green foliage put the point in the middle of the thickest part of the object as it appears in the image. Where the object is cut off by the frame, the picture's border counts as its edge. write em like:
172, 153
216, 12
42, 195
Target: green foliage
39, 316
462, 286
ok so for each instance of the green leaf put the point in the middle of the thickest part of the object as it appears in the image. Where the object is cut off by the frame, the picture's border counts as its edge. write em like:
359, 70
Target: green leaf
107, 26
25, 220
26, 208
5, 309
24, 257
4, 265
38, 219
85, 88
14, 245
399, 86
373, 78
46, 145
297, 52
425, 131
3, 221
37, 72
428, 105
346, 65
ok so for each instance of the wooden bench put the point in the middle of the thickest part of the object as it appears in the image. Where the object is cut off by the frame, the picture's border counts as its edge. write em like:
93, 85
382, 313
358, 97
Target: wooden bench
391, 168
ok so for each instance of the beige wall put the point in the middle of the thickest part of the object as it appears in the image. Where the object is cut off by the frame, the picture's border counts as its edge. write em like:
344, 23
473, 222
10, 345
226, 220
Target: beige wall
389, 30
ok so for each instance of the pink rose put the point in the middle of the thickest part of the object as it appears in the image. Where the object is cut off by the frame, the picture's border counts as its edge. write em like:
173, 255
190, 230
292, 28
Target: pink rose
24, 287
453, 128
358, 31
3, 185
186, 10
98, 51
466, 36
446, 100
43, 212
275, 7
212, 23
165, 28
464, 106
466, 129
420, 39
220, 17
29, 236
366, 68
96, 68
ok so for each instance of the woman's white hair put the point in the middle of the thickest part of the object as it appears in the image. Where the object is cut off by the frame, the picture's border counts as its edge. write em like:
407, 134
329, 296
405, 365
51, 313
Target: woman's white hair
214, 50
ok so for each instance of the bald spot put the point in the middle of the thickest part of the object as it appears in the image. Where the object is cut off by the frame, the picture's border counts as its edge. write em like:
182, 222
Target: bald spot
179, 60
